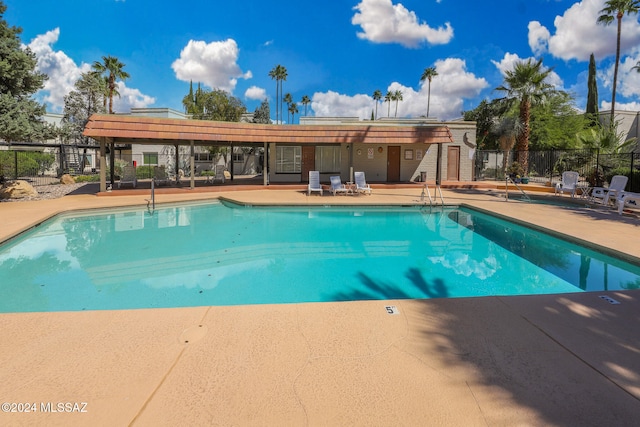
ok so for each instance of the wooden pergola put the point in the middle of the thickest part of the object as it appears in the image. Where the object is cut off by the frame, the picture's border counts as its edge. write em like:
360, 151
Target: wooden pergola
111, 129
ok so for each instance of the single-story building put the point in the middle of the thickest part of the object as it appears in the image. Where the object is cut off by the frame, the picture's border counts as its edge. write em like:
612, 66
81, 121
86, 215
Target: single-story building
386, 150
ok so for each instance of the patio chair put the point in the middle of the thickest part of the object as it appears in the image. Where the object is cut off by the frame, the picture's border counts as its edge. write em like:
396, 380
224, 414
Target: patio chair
629, 199
128, 176
616, 187
218, 176
569, 183
337, 186
314, 182
361, 183
160, 175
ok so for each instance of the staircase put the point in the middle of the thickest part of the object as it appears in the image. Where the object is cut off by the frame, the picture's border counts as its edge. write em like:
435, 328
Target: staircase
70, 160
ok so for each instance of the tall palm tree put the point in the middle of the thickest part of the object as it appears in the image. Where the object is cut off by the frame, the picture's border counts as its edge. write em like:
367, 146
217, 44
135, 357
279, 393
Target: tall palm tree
305, 101
428, 74
293, 109
397, 96
377, 96
388, 97
275, 75
288, 99
526, 85
114, 69
615, 10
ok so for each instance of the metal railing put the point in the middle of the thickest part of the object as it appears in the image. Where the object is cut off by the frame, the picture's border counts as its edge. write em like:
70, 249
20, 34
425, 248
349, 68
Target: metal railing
546, 167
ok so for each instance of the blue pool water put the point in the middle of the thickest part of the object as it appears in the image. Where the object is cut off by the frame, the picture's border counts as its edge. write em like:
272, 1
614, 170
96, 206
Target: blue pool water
222, 254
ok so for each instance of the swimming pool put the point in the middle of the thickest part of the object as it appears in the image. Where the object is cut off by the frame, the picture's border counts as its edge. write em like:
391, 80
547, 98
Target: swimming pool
225, 254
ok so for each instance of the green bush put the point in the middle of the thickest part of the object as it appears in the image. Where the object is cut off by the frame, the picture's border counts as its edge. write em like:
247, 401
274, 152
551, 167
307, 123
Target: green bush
87, 178
143, 172
617, 171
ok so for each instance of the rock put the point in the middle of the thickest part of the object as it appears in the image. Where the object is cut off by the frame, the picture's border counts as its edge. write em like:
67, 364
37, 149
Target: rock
17, 190
67, 179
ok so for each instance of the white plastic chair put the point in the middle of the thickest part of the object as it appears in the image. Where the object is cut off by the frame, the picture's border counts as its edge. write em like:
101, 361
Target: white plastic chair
628, 198
569, 183
314, 182
361, 183
616, 187
337, 186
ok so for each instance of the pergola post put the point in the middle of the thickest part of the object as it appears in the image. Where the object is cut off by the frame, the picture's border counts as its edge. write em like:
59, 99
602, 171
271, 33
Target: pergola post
112, 161
177, 171
103, 166
192, 165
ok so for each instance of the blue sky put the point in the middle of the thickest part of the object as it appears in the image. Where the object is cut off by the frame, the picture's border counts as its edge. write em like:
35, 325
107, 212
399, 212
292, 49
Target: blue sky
336, 52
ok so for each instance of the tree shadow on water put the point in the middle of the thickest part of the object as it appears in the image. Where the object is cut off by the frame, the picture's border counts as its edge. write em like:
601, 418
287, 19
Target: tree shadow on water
380, 290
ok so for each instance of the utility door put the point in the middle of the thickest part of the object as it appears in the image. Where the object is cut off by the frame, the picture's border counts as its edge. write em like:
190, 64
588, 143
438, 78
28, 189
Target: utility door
453, 163
393, 163
308, 161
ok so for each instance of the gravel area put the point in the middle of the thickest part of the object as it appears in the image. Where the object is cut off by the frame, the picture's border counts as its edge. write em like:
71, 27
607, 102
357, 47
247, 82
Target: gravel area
45, 192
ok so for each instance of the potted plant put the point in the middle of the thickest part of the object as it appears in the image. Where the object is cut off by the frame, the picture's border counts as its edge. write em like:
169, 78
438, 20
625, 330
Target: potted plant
516, 172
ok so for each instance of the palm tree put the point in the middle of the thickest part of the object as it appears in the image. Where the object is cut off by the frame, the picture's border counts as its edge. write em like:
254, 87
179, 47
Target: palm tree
293, 109
397, 96
526, 85
377, 96
114, 69
388, 98
275, 75
288, 99
428, 74
616, 9
305, 101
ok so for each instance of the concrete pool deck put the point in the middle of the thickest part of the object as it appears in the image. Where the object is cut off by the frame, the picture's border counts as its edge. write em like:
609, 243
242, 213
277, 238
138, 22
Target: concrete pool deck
569, 359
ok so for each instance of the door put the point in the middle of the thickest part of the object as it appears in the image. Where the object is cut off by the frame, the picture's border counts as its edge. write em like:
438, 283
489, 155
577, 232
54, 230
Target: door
393, 163
308, 161
453, 163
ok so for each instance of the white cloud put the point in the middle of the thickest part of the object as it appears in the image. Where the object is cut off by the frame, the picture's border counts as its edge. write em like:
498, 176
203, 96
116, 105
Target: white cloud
449, 88
578, 35
62, 70
214, 64
63, 73
507, 63
538, 38
130, 98
333, 104
384, 22
620, 106
255, 92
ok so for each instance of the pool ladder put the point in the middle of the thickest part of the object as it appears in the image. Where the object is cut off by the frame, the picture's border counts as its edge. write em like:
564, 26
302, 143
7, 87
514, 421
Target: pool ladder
151, 203
506, 189
427, 192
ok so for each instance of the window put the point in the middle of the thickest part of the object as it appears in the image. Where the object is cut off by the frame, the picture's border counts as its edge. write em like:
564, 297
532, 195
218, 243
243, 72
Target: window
149, 158
288, 159
238, 157
328, 158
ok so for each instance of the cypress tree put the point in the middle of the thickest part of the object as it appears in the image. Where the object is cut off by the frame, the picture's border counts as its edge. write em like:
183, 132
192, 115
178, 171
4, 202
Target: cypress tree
592, 95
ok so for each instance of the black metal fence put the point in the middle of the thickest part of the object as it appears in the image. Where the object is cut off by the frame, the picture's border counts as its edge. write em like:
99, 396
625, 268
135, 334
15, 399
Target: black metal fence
547, 166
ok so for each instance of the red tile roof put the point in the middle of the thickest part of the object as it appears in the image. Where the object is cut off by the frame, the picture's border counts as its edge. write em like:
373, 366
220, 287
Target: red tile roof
151, 130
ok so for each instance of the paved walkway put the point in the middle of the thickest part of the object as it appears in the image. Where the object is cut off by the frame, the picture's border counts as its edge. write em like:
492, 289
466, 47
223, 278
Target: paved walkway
571, 359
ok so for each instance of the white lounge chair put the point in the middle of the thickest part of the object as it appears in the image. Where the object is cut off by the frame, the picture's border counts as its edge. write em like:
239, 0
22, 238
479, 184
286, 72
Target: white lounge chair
569, 183
314, 182
616, 187
337, 186
628, 198
218, 176
160, 175
361, 183
128, 176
